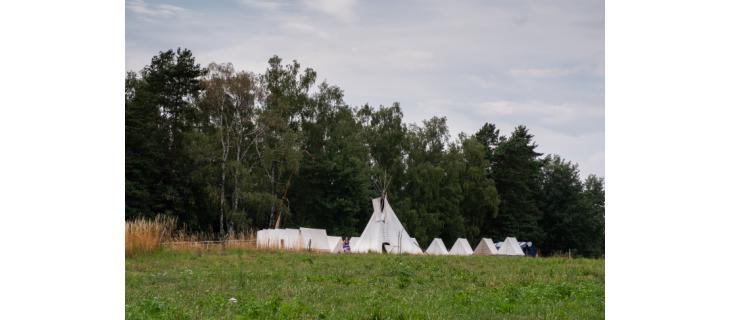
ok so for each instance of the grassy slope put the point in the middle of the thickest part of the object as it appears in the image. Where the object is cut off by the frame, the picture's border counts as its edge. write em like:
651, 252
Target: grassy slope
180, 285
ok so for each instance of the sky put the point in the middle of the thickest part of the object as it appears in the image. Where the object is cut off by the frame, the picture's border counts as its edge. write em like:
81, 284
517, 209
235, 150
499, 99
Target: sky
508, 62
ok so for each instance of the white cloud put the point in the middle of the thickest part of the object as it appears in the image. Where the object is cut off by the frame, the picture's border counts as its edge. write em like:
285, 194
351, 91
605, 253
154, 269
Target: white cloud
344, 10
412, 59
262, 4
552, 114
144, 9
543, 72
483, 82
304, 28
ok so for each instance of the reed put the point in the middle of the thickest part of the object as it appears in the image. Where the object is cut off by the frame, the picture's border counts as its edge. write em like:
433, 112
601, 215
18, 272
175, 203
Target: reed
144, 235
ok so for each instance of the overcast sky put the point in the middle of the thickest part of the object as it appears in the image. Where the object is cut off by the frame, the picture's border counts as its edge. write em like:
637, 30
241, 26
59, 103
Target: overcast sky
509, 62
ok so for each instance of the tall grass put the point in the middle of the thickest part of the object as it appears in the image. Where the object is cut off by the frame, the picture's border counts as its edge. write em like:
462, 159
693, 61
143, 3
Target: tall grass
144, 235
182, 240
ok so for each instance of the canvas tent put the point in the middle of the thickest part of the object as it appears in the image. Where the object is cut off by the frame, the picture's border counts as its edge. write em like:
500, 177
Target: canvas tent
384, 230
461, 248
485, 247
335, 244
260, 238
510, 247
394, 248
278, 239
314, 239
263, 238
292, 239
437, 248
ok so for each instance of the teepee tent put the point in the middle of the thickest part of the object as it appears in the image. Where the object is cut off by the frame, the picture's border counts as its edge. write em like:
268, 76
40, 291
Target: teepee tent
384, 231
485, 247
461, 248
314, 239
413, 244
510, 247
437, 248
335, 244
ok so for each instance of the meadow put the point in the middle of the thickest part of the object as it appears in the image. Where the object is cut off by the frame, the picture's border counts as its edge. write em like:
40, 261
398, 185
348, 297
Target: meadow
240, 283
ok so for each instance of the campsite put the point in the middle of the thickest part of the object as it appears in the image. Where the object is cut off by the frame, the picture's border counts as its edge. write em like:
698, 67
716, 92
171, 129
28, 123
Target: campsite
351, 214
277, 187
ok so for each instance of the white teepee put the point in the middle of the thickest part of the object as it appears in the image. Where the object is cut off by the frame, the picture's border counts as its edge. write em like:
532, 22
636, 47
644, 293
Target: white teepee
437, 248
461, 248
335, 244
384, 230
485, 247
510, 247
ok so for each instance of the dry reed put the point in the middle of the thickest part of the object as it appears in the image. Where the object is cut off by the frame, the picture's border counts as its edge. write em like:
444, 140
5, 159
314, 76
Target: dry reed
205, 241
145, 235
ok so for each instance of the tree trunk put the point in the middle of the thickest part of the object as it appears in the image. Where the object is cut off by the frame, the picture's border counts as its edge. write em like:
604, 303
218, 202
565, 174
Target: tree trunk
273, 197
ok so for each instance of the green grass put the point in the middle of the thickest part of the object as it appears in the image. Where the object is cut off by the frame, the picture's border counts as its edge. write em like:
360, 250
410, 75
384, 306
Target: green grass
283, 285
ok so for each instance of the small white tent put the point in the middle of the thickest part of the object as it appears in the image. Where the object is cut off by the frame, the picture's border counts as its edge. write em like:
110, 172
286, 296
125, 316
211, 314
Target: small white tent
510, 247
335, 244
461, 248
260, 239
485, 247
384, 230
314, 239
292, 239
437, 248
278, 238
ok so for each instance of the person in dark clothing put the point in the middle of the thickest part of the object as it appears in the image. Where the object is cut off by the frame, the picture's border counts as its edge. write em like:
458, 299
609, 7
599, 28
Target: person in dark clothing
531, 250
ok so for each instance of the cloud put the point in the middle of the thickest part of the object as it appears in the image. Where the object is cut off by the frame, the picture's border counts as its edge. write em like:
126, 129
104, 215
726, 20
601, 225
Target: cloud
538, 108
262, 4
146, 10
344, 10
543, 72
304, 28
538, 63
483, 82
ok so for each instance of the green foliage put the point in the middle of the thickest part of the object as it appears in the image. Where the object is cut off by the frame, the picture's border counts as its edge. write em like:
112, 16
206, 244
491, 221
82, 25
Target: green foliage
516, 170
226, 150
175, 285
573, 212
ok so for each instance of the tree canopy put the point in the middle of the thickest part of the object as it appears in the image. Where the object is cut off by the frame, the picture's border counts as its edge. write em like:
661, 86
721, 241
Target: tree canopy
226, 150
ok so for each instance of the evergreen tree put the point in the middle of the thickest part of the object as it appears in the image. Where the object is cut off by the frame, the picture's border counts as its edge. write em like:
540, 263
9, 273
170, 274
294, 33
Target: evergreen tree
160, 112
516, 171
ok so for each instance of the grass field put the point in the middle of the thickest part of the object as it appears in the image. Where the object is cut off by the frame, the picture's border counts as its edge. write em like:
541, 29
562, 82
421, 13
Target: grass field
285, 285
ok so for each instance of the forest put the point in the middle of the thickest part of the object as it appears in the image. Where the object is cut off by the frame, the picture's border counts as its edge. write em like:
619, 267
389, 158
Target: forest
233, 151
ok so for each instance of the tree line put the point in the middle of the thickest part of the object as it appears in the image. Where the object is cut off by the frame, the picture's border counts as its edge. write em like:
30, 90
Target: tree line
225, 150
